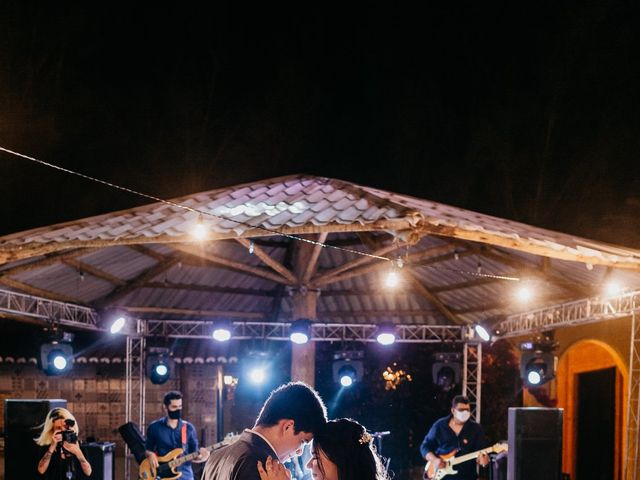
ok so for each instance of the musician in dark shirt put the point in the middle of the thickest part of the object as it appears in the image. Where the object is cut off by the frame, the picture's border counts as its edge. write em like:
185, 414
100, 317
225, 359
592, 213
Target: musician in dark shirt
456, 433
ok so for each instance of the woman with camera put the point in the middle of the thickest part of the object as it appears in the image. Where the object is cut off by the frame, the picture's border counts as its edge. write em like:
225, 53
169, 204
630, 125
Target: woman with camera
63, 456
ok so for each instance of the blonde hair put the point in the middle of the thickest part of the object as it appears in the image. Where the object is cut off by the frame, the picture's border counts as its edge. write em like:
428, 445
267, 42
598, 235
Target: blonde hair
46, 437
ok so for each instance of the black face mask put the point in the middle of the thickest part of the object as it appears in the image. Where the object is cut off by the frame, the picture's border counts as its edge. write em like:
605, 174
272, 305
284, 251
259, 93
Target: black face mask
174, 414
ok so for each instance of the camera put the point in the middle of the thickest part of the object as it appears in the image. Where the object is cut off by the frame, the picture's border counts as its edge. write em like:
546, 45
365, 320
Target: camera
69, 436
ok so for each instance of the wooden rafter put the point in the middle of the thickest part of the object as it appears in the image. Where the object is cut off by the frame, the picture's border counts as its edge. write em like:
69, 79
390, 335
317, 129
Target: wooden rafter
312, 264
197, 251
50, 259
252, 292
38, 292
526, 268
502, 304
325, 277
196, 313
149, 252
93, 271
375, 313
10, 253
432, 298
137, 282
267, 260
380, 265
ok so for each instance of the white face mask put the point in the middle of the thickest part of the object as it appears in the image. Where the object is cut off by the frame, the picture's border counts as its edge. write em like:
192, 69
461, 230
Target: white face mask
462, 415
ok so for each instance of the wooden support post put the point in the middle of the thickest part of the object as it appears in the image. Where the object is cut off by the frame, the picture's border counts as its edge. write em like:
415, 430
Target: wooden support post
303, 357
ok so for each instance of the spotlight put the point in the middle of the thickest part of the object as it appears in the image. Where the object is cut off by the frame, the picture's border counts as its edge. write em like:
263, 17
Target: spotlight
482, 332
348, 367
347, 375
221, 332
537, 362
56, 358
118, 324
446, 369
199, 231
386, 334
160, 366
300, 331
257, 375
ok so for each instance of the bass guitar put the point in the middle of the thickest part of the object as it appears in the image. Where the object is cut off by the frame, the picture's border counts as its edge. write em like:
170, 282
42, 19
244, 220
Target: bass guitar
450, 460
169, 463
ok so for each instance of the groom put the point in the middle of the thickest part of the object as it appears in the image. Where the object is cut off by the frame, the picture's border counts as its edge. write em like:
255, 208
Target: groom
287, 420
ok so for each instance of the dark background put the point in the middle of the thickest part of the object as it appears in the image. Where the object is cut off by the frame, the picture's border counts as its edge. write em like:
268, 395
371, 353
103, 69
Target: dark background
523, 110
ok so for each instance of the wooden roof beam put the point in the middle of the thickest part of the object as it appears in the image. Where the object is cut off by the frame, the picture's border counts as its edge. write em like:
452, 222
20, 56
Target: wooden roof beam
93, 271
136, 282
197, 251
197, 313
432, 252
312, 262
267, 260
39, 292
210, 289
433, 299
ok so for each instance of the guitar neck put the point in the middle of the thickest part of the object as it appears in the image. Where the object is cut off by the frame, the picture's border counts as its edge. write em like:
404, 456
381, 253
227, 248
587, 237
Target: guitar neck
187, 458
469, 456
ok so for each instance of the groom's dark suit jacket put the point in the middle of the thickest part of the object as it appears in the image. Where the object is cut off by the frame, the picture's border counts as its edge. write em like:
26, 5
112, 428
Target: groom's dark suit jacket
239, 460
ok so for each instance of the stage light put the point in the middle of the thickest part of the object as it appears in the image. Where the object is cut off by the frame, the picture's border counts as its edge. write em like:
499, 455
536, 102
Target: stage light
386, 334
348, 367
537, 367
347, 375
160, 365
482, 332
300, 331
446, 370
221, 332
257, 375
56, 358
199, 231
228, 379
118, 324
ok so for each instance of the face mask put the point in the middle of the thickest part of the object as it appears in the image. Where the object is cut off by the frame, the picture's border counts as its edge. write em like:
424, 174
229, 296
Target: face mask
462, 415
174, 414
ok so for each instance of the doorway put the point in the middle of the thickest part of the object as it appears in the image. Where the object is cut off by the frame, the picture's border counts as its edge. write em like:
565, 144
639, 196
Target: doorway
595, 425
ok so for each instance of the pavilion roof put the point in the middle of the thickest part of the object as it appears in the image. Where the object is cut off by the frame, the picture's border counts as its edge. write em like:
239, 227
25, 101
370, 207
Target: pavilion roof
461, 266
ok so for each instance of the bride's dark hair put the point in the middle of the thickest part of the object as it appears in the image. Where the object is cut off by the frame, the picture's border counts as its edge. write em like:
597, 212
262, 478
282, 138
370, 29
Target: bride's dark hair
346, 443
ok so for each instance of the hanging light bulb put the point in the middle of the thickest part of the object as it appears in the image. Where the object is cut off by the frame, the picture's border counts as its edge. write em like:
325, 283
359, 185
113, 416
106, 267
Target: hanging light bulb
524, 293
199, 231
613, 288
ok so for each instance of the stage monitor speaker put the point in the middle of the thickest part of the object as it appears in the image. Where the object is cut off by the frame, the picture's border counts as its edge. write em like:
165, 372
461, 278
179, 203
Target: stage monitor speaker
535, 444
101, 456
21, 421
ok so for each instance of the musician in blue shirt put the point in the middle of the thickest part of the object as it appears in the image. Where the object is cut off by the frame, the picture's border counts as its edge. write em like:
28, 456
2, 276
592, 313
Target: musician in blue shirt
171, 432
456, 433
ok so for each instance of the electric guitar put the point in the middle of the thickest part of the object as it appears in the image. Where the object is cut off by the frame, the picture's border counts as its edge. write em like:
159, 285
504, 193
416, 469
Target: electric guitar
446, 468
168, 464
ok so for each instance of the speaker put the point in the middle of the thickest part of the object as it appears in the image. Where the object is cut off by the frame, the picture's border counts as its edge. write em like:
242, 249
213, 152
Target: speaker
21, 421
101, 456
535, 444
134, 440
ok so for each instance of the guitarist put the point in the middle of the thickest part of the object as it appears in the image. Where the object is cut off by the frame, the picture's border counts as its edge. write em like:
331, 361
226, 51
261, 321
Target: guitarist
171, 432
456, 433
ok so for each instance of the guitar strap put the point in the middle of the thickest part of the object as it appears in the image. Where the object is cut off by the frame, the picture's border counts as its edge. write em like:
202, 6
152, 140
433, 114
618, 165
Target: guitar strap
184, 437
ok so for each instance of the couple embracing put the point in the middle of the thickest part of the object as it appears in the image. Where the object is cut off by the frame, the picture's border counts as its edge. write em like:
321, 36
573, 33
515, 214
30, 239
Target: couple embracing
293, 415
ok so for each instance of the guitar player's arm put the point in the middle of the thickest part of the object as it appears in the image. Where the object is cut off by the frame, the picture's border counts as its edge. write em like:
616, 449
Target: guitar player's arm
435, 460
429, 446
150, 445
203, 453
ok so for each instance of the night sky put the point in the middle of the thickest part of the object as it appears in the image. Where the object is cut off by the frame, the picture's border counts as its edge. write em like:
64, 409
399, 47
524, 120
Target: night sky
525, 111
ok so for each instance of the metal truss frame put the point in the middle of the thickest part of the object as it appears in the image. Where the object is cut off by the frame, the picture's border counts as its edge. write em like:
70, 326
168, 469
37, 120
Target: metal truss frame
472, 377
633, 403
320, 332
135, 389
579, 312
20, 304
